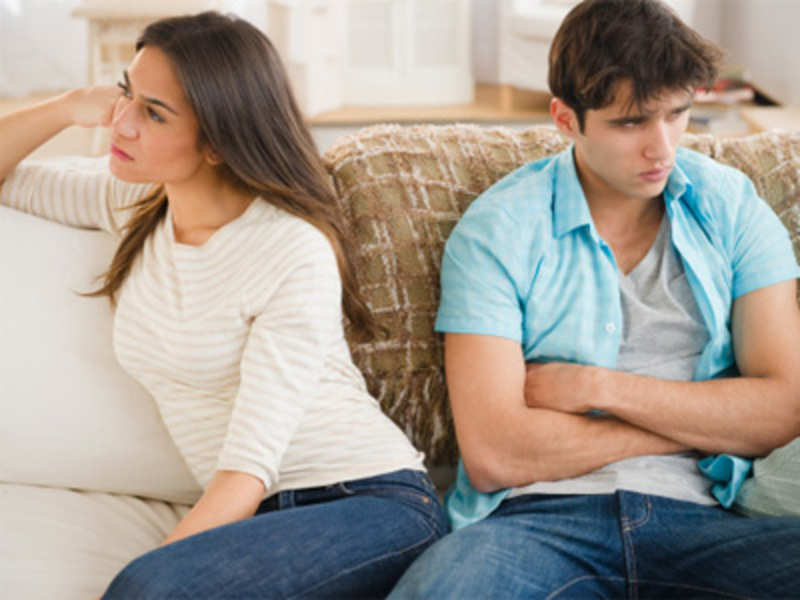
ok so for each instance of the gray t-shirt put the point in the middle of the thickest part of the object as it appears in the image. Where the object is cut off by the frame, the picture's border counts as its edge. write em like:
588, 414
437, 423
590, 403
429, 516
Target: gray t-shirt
663, 336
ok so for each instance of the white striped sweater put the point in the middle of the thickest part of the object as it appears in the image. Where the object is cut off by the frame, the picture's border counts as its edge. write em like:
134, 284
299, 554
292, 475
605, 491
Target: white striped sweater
240, 341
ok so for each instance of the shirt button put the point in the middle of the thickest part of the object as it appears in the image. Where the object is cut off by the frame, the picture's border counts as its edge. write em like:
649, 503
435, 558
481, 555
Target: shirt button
610, 327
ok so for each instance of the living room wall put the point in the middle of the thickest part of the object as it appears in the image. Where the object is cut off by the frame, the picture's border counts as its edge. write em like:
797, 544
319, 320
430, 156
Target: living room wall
759, 35
43, 48
762, 36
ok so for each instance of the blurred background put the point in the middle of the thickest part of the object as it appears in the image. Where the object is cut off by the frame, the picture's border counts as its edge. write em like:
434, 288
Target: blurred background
358, 62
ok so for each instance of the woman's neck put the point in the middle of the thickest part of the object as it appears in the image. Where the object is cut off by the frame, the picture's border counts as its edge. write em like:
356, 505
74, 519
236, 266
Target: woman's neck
200, 207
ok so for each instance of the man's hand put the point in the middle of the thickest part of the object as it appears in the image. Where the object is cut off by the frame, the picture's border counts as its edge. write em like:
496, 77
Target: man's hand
565, 387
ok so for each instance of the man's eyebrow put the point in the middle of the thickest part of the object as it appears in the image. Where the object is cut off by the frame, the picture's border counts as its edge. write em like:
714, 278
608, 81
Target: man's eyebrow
155, 101
683, 107
644, 116
639, 118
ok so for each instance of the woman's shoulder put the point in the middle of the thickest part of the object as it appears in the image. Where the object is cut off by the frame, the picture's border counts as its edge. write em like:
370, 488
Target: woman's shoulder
279, 233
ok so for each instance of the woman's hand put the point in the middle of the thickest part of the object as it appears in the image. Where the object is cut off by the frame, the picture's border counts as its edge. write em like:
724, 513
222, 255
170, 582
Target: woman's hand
25, 130
91, 106
230, 496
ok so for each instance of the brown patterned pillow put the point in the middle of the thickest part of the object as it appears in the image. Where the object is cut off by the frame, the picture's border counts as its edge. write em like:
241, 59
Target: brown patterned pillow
402, 189
772, 161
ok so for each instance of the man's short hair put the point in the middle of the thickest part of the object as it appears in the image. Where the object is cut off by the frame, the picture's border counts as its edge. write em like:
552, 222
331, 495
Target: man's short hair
602, 43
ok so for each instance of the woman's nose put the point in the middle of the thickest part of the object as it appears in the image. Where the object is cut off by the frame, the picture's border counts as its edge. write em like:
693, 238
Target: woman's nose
123, 123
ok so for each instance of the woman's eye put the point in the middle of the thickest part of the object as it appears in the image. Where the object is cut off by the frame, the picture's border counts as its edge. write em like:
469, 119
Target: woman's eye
125, 91
154, 116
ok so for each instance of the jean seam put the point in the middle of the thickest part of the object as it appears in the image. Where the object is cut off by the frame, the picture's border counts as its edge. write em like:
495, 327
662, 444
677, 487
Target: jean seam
629, 556
375, 559
348, 488
385, 491
630, 559
571, 582
696, 588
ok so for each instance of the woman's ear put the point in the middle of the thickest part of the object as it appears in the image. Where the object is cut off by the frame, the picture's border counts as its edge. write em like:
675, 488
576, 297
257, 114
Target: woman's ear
212, 158
564, 118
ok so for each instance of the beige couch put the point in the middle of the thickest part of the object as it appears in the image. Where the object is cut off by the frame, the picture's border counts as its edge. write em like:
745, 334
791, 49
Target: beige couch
89, 477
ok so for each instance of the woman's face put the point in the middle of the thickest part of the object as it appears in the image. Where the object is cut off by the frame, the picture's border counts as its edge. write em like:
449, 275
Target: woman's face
154, 131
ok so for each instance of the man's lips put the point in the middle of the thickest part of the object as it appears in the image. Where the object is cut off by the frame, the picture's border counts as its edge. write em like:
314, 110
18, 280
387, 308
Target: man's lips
119, 153
655, 174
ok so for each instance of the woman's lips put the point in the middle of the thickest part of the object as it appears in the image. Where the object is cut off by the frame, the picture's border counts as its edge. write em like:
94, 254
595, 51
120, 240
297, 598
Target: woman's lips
119, 153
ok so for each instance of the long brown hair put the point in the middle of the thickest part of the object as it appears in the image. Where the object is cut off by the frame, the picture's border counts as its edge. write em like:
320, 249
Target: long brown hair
235, 82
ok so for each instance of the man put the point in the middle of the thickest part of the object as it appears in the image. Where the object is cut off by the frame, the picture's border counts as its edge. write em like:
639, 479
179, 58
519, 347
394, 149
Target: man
612, 314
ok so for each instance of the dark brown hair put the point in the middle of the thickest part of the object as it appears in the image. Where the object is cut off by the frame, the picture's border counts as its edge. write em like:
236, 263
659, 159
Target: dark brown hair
602, 43
236, 85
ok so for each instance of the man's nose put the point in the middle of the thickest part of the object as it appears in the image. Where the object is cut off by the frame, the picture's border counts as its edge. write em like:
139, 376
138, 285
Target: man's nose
659, 142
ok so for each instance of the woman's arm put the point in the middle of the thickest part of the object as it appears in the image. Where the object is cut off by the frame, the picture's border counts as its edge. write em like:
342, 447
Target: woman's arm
78, 191
231, 496
25, 130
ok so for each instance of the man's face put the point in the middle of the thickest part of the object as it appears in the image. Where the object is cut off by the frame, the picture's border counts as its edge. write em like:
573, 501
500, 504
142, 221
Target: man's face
626, 151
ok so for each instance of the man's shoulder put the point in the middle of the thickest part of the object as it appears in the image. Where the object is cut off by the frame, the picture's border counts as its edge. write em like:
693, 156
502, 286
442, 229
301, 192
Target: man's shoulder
522, 195
708, 175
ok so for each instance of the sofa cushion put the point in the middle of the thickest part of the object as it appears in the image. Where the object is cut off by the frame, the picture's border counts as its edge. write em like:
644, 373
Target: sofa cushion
66, 544
69, 415
402, 189
774, 488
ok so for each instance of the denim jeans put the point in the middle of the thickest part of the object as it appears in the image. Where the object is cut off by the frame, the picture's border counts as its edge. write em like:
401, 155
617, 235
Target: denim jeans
347, 540
622, 545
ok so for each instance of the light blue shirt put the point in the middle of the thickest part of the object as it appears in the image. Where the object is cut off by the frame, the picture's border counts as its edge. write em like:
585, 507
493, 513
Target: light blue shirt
525, 262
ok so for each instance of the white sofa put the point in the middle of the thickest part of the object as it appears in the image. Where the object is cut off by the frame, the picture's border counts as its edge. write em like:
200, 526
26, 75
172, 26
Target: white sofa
72, 421
89, 477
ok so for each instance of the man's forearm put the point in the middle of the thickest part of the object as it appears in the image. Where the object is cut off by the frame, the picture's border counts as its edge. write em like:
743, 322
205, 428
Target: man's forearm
718, 415
504, 443
545, 445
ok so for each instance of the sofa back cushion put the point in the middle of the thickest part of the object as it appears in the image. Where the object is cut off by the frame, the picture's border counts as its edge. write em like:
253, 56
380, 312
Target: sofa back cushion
69, 416
402, 189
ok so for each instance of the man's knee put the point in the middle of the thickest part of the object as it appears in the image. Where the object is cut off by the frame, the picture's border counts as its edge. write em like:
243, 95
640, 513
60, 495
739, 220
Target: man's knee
447, 566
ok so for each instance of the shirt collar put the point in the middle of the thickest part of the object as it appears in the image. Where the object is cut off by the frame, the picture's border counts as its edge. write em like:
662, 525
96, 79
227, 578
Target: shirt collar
679, 187
570, 209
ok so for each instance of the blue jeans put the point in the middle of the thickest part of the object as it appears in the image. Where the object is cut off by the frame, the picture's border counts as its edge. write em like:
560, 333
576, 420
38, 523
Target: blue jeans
622, 545
347, 540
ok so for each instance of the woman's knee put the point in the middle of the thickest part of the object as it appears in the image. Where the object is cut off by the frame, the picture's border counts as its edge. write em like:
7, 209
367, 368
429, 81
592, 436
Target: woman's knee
149, 576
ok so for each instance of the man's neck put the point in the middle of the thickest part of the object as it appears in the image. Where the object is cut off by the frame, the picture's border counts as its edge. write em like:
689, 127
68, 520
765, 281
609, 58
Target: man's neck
619, 218
629, 228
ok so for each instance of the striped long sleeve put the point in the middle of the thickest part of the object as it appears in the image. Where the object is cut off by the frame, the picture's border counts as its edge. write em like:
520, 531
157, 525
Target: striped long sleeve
77, 191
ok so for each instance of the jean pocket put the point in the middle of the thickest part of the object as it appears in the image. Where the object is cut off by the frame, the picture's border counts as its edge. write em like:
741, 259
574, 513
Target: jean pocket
411, 488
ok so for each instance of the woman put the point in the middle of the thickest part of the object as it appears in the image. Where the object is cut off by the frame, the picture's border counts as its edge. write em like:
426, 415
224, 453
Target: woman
230, 284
